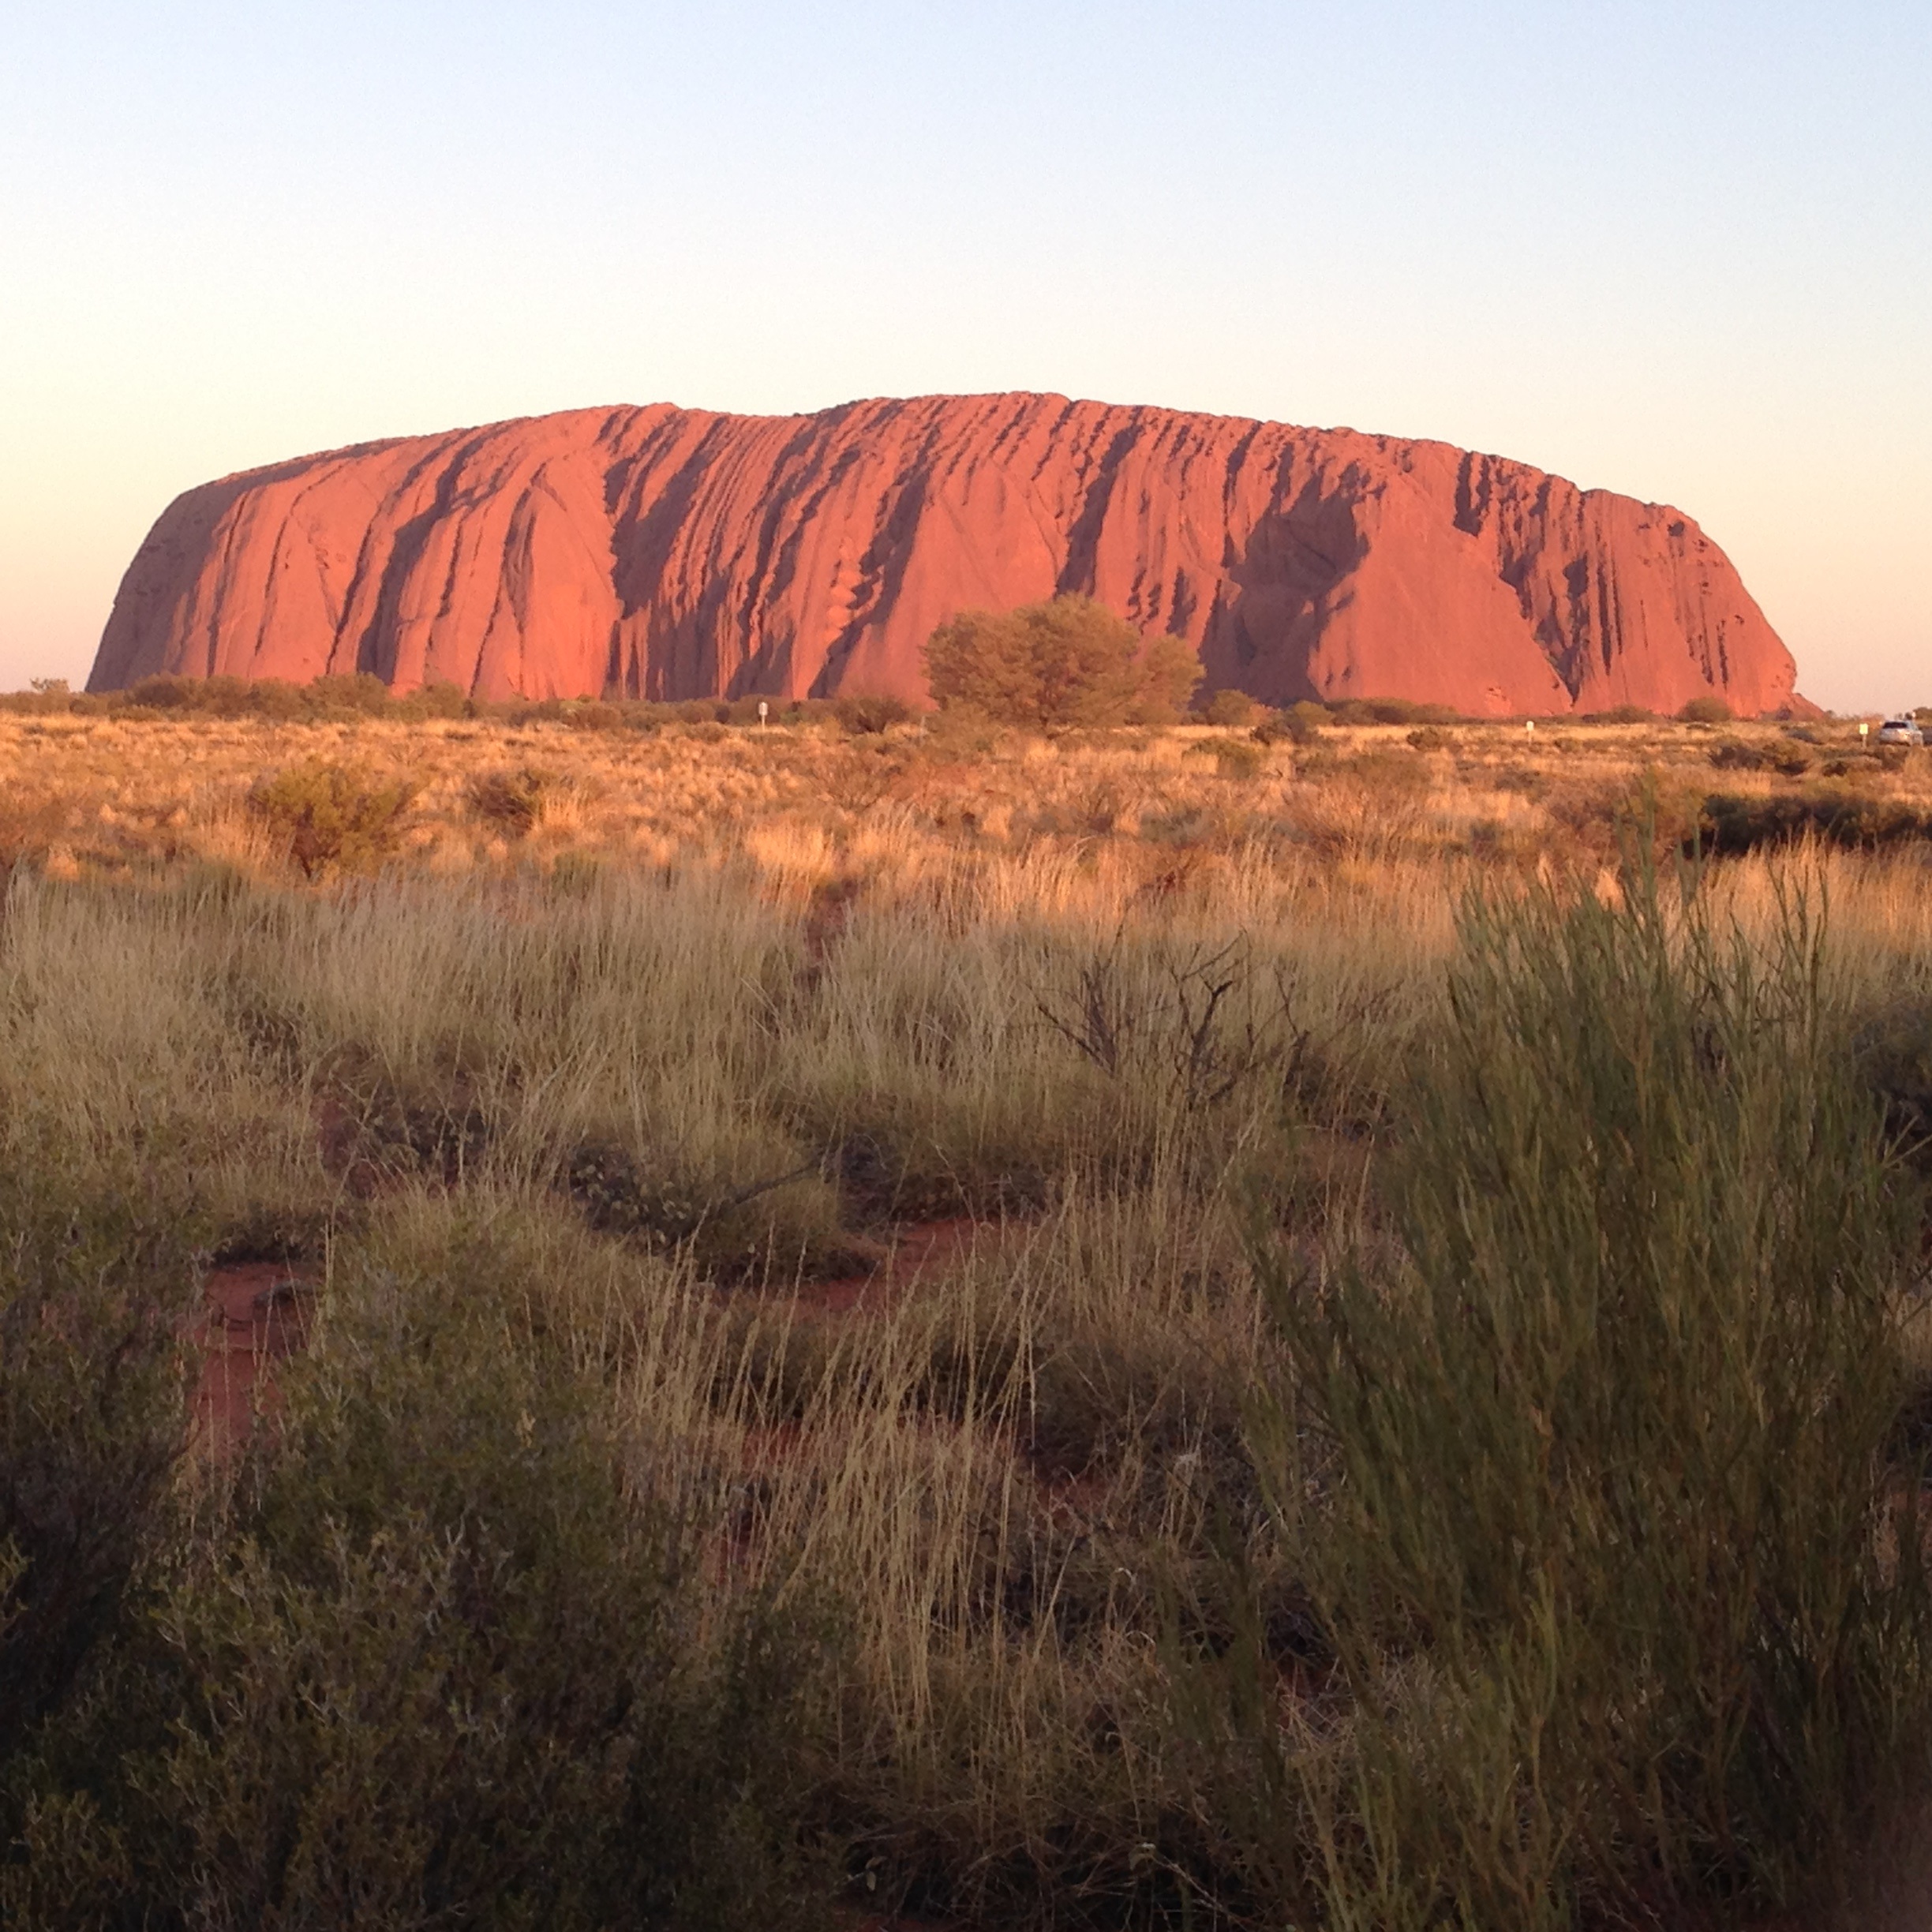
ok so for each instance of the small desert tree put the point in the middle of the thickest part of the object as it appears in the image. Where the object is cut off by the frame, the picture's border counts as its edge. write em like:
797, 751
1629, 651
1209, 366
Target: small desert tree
1068, 662
331, 816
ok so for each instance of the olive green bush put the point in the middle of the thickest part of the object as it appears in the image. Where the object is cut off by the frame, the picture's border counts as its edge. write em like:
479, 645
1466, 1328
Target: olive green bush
331, 818
1590, 1485
1835, 815
92, 1407
1710, 709
869, 714
1230, 707
1298, 724
431, 1668
510, 801
1234, 758
1056, 666
1783, 756
1391, 711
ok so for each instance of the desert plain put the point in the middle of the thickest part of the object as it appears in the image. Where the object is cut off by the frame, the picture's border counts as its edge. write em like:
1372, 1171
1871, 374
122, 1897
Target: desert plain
634, 1316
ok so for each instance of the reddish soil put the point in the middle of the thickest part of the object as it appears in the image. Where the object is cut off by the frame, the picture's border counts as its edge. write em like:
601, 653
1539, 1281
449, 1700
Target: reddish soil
256, 1314
921, 1249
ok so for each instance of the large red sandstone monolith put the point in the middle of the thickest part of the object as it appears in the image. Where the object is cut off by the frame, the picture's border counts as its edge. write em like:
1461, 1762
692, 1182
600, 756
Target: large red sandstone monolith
676, 554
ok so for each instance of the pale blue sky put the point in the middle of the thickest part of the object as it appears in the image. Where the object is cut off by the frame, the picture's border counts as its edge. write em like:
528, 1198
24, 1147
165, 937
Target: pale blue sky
1684, 251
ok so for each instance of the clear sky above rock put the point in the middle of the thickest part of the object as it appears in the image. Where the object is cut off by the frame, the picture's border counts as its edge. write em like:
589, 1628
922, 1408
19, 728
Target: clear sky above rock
1682, 251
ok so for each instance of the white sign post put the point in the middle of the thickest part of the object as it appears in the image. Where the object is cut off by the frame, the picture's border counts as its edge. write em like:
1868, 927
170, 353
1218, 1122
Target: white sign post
764, 711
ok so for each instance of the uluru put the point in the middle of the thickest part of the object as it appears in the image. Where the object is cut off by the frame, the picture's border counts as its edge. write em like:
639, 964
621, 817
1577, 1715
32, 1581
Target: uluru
670, 553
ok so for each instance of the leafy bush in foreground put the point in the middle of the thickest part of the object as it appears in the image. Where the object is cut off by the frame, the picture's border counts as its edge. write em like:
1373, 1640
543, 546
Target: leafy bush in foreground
434, 1671
91, 1410
1591, 1493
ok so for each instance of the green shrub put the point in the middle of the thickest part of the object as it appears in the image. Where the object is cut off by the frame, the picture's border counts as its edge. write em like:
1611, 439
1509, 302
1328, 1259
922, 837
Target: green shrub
436, 1671
1841, 816
162, 693
1383, 769
383, 1129
658, 1201
1659, 812
224, 695
360, 692
1234, 758
331, 818
1895, 1054
867, 713
438, 699
1300, 723
510, 801
1590, 1492
1742, 755
1058, 666
1708, 710
1391, 711
92, 1414
1229, 706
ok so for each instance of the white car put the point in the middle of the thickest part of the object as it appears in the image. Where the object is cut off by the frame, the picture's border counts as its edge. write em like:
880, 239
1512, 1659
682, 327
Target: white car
1903, 730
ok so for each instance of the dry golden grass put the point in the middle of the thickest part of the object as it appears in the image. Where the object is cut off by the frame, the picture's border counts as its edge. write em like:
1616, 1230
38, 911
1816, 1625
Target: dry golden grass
1097, 823
781, 993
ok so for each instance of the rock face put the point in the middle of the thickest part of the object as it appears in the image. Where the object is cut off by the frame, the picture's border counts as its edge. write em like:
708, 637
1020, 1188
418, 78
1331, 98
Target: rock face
670, 553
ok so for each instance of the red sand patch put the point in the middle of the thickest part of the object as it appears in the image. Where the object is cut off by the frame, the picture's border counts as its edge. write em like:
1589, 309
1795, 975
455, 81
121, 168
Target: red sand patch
920, 1249
256, 1314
